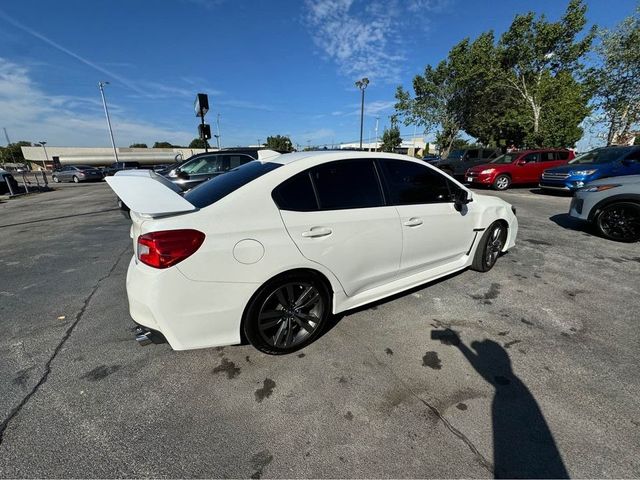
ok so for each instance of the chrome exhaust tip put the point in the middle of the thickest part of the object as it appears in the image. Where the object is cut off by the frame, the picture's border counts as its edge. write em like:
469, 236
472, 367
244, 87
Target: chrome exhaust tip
143, 336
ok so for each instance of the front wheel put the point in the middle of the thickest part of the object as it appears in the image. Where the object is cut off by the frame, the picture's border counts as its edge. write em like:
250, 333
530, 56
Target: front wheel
490, 247
287, 313
55, 179
75, 179
620, 222
502, 182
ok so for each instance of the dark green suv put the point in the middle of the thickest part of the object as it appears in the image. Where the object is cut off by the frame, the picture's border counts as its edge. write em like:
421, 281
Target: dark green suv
459, 161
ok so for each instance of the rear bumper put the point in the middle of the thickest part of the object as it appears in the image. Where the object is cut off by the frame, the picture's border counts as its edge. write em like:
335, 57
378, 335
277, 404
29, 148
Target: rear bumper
189, 314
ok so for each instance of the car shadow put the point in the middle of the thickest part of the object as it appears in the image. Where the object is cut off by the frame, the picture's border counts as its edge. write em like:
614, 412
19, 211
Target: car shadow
551, 193
566, 221
523, 445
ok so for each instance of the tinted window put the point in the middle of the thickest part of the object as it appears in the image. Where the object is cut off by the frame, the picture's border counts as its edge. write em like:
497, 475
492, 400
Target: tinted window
562, 155
473, 154
218, 187
237, 160
601, 155
296, 194
634, 155
212, 164
532, 157
549, 156
489, 153
411, 183
347, 184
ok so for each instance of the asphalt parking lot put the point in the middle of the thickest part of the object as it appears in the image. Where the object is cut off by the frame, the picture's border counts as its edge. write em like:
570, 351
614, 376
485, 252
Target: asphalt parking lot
547, 342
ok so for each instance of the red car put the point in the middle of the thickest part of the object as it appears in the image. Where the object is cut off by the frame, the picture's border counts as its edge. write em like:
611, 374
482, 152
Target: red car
525, 166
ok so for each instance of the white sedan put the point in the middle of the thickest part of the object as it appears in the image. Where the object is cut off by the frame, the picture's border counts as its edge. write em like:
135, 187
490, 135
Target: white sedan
268, 251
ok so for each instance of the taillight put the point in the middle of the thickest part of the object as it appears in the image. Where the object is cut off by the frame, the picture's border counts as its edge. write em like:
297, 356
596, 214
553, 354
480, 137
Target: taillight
168, 247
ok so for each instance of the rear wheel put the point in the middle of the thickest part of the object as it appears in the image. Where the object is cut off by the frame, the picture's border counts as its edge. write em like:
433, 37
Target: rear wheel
287, 313
55, 179
620, 222
490, 247
75, 179
502, 182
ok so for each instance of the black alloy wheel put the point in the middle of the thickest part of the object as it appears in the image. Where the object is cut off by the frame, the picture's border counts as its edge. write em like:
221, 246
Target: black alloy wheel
620, 222
490, 247
287, 314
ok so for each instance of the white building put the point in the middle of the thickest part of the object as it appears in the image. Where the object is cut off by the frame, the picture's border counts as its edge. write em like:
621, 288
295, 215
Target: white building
103, 156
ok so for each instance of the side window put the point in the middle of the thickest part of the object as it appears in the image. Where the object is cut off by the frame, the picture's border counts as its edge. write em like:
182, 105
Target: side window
489, 154
634, 155
237, 160
532, 157
562, 155
549, 156
473, 154
296, 194
211, 164
347, 184
411, 183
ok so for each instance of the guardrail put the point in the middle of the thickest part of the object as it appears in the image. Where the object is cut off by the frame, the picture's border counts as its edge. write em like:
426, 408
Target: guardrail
31, 182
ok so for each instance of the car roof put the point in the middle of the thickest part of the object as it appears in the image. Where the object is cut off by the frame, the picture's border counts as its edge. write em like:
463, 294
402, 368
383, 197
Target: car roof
288, 158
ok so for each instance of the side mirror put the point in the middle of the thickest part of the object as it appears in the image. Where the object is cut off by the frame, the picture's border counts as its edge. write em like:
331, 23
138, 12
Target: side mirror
460, 199
520, 162
182, 175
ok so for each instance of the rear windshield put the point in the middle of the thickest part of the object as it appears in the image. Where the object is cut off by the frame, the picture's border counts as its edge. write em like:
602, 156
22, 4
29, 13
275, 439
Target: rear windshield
601, 155
219, 187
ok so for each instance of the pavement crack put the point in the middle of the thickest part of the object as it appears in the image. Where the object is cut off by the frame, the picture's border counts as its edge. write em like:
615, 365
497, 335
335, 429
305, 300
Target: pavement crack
479, 456
47, 367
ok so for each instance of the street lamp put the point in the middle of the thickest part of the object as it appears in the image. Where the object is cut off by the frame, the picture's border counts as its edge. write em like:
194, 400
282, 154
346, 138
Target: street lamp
43, 143
106, 113
362, 85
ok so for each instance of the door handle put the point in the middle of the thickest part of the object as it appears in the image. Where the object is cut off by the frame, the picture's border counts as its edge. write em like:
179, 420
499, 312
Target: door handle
317, 232
413, 222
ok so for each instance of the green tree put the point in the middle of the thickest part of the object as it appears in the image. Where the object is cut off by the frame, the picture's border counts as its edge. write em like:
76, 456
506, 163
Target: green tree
279, 143
540, 61
616, 78
138, 145
198, 143
162, 145
12, 153
391, 138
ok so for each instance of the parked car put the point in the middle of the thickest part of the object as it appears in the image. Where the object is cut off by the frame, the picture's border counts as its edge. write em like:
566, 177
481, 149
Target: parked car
269, 250
204, 166
521, 167
118, 166
612, 206
433, 159
459, 161
77, 173
598, 163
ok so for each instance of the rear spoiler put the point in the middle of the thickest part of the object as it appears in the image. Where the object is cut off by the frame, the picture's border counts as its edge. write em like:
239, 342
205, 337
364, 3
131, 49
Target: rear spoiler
147, 193
264, 155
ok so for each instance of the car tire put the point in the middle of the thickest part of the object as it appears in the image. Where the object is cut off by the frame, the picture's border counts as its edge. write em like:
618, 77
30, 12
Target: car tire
287, 313
75, 179
502, 182
55, 179
619, 221
490, 247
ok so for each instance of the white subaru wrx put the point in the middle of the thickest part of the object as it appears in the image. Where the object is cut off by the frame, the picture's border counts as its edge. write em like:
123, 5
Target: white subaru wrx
271, 249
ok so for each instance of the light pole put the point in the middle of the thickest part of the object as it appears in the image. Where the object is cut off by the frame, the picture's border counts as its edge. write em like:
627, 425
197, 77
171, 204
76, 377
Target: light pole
106, 113
362, 85
377, 118
218, 128
43, 143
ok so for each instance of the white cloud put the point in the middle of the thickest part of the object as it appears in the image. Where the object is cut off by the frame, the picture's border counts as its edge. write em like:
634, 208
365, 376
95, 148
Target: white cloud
364, 38
30, 114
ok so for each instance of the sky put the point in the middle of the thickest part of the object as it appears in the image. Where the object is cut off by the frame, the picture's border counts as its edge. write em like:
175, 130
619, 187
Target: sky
269, 67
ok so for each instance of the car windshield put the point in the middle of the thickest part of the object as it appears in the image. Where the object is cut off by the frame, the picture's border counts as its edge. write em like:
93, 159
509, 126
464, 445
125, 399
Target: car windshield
506, 158
219, 187
455, 154
601, 155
